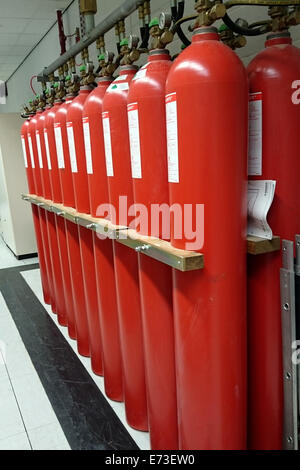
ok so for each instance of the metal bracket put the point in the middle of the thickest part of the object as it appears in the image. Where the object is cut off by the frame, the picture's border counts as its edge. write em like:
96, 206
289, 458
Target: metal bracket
288, 318
297, 301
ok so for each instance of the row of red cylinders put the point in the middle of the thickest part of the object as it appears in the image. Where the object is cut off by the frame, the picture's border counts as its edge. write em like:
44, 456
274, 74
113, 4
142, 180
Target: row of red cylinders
172, 345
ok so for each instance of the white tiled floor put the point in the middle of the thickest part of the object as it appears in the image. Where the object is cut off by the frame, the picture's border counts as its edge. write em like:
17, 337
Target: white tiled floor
8, 260
27, 419
142, 439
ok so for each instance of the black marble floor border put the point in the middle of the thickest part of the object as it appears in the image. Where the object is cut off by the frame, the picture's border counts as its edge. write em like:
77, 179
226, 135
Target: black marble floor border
87, 419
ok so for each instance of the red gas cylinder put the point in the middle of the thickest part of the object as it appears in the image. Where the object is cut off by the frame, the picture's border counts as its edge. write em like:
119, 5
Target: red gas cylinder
72, 236
82, 204
47, 194
54, 223
103, 250
117, 154
207, 127
29, 161
146, 117
67, 192
271, 75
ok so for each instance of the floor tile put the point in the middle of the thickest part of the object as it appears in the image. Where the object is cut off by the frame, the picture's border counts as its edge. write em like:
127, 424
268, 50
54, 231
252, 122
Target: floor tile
49, 437
8, 259
34, 405
18, 362
34, 260
10, 421
142, 439
18, 442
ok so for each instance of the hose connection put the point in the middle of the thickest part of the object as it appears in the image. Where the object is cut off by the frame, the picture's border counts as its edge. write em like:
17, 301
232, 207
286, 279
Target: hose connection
232, 40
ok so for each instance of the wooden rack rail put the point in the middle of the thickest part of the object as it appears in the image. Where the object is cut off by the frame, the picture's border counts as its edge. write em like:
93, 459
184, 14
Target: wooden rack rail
153, 247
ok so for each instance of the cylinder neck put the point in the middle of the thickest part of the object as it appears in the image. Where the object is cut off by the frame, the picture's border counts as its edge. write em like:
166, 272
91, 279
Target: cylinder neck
128, 69
104, 80
205, 34
278, 39
158, 54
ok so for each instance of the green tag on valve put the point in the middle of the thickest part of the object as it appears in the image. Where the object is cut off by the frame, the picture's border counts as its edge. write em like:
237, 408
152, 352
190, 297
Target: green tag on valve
154, 22
124, 42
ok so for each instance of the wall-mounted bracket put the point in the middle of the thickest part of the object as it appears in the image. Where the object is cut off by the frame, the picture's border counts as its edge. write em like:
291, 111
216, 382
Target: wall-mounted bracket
288, 320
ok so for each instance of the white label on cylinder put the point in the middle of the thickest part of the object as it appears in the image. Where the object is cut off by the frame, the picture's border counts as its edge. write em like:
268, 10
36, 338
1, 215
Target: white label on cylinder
118, 86
255, 134
134, 136
47, 149
59, 146
87, 144
172, 138
72, 150
24, 151
140, 74
31, 151
121, 78
107, 144
39, 148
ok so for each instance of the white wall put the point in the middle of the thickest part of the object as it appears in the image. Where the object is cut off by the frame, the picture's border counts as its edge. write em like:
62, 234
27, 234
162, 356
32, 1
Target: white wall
16, 226
48, 50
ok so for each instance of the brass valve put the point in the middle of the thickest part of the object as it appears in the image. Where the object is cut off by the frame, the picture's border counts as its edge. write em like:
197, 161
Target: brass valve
40, 101
87, 74
121, 29
232, 40
159, 31
59, 90
72, 84
107, 65
100, 44
129, 50
85, 55
50, 96
32, 106
282, 18
209, 11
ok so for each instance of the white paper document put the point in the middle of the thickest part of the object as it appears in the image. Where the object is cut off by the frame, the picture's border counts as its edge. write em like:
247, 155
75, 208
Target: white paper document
260, 198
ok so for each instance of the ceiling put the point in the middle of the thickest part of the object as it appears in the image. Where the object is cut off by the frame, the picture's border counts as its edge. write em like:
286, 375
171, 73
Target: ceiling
22, 24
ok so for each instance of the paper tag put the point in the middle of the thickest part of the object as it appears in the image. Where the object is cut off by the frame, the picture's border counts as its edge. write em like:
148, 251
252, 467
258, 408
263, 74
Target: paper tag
24, 151
118, 86
47, 149
39, 148
107, 144
59, 145
260, 198
31, 151
140, 74
134, 136
255, 134
72, 150
87, 143
172, 138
